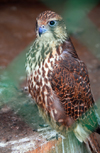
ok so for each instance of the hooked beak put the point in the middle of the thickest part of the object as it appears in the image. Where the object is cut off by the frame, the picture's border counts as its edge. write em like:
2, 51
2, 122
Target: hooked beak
41, 30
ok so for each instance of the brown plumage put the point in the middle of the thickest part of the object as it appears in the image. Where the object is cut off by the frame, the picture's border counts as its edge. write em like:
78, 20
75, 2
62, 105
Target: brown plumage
58, 80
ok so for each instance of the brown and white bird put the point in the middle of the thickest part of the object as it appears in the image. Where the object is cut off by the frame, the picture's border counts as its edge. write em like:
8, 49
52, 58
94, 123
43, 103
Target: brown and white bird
58, 80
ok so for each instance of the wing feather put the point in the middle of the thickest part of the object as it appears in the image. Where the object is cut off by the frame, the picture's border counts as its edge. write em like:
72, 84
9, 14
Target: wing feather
71, 84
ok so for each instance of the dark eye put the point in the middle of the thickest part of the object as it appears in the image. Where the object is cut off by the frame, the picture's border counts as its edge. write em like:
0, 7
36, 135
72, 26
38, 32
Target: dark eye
52, 23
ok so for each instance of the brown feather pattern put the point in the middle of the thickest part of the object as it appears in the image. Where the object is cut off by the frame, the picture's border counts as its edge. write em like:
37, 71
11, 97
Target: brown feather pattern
58, 80
71, 83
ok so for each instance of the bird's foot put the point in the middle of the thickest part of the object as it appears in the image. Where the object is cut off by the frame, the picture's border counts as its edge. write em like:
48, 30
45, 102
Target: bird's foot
53, 137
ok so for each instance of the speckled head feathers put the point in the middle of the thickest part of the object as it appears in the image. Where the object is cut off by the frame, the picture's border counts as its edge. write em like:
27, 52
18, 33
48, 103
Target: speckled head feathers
51, 25
48, 15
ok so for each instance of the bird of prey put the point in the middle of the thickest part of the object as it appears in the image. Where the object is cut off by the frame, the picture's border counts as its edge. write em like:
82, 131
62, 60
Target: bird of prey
58, 80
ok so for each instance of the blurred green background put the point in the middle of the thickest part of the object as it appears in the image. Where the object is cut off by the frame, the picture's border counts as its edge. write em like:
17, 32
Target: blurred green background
80, 27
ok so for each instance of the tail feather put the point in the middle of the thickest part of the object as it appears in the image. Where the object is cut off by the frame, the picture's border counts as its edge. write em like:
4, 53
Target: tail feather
70, 144
93, 144
89, 139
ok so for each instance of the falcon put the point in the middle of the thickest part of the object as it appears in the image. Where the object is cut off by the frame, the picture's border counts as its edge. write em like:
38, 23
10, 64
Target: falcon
58, 80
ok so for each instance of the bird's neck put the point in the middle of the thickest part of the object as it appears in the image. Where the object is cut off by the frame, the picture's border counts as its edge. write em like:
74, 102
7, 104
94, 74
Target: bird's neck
43, 48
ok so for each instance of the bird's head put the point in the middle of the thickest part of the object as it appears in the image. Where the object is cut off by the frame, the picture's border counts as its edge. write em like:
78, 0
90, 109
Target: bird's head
50, 25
